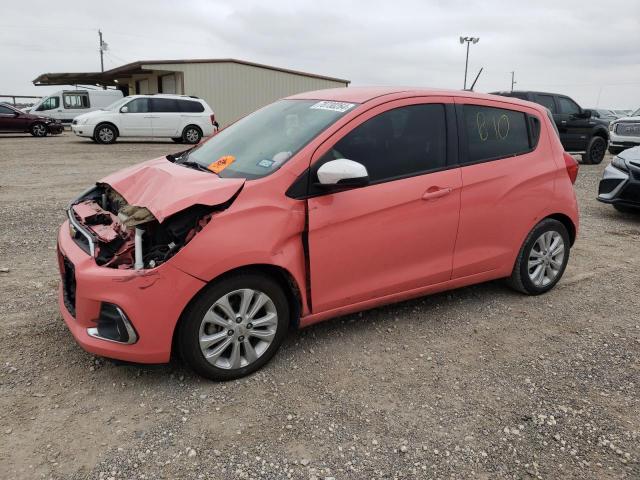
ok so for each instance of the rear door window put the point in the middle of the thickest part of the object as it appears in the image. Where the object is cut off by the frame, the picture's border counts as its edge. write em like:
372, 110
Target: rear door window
494, 133
546, 101
159, 105
75, 100
189, 106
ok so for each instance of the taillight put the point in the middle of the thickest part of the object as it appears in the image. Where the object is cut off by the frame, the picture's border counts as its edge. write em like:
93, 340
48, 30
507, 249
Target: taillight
572, 166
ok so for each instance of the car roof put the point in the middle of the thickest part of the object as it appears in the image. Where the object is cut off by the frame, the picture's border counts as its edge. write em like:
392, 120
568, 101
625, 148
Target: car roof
165, 95
367, 94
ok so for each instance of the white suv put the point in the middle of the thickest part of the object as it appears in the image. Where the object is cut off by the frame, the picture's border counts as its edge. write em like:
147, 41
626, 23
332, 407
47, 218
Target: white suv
179, 117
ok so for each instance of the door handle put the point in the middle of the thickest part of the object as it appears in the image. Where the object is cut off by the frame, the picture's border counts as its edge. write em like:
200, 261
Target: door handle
436, 192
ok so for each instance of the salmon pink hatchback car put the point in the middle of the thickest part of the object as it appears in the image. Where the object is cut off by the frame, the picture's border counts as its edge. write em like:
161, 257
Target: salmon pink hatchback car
318, 205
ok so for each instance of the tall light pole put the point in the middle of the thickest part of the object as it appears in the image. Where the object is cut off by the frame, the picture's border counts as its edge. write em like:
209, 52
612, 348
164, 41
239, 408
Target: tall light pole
468, 41
513, 80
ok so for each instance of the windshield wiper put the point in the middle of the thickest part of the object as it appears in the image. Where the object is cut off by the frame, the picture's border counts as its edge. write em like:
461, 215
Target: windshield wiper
182, 158
196, 165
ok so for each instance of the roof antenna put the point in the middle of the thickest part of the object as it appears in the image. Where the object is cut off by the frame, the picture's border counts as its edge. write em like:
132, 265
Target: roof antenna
474, 82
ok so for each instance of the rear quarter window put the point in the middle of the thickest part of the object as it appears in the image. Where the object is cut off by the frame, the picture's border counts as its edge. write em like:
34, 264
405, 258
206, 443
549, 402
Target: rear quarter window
494, 133
189, 106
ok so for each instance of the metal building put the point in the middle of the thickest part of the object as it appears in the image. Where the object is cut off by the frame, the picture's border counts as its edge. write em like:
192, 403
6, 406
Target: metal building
231, 87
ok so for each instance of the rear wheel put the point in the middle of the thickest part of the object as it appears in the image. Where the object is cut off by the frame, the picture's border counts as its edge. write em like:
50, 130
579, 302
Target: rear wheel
234, 327
542, 258
595, 151
105, 133
191, 134
39, 129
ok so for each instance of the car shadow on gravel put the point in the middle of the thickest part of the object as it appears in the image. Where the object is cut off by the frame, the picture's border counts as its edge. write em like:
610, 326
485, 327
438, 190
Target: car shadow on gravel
342, 330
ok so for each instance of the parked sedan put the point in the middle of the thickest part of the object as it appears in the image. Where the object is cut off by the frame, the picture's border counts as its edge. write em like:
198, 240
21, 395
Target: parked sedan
14, 120
620, 184
318, 205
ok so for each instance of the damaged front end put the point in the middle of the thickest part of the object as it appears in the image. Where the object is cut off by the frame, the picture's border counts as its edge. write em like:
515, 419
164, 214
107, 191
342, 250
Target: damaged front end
123, 236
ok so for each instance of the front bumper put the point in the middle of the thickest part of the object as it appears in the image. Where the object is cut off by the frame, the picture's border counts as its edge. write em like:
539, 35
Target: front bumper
620, 187
83, 130
623, 141
55, 128
152, 301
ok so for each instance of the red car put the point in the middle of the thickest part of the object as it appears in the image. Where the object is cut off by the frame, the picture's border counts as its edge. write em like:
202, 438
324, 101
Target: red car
14, 120
318, 205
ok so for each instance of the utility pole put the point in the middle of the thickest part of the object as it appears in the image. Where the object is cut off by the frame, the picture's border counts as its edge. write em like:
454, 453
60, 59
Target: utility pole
468, 41
102, 49
513, 82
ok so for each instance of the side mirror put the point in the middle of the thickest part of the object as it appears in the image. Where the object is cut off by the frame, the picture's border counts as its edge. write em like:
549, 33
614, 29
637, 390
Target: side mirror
343, 173
124, 109
585, 114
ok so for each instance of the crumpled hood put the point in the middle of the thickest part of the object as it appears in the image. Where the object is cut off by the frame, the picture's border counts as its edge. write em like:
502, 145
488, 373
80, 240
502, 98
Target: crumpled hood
166, 188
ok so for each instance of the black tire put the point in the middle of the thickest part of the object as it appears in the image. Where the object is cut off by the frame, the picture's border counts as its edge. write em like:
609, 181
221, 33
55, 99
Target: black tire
595, 151
192, 320
626, 209
191, 134
615, 150
105, 133
39, 129
178, 139
520, 279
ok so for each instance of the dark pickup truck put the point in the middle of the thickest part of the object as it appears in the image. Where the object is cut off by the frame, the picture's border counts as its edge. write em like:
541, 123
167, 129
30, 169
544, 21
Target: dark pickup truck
580, 131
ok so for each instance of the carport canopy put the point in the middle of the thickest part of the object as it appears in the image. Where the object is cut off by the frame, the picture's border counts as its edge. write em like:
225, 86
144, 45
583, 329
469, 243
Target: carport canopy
108, 78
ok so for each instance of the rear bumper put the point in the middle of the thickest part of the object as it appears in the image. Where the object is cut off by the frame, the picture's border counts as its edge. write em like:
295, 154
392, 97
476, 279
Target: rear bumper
152, 301
55, 128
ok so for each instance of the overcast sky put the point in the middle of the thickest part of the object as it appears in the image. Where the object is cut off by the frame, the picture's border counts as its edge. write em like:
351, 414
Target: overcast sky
587, 49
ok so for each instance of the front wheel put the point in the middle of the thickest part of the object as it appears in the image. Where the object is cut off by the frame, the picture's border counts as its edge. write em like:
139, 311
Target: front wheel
234, 327
542, 258
191, 134
39, 129
595, 151
105, 133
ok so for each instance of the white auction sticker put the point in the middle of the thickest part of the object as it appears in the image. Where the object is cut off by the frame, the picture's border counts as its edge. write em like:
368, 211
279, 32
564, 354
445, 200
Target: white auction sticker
333, 106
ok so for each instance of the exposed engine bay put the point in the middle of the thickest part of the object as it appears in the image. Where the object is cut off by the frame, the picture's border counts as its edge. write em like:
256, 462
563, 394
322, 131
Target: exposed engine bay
124, 236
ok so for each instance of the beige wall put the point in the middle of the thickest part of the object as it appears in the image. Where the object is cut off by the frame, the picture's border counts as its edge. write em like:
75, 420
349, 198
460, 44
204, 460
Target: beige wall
234, 90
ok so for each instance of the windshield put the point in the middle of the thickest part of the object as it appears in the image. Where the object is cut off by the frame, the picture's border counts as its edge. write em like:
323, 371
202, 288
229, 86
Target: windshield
115, 105
260, 143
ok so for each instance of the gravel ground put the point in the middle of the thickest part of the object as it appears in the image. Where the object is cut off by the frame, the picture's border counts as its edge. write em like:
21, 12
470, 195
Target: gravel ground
479, 382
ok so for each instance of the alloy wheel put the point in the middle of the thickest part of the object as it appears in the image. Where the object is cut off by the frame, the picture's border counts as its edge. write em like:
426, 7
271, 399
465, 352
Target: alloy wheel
597, 151
546, 258
192, 135
238, 328
39, 130
105, 134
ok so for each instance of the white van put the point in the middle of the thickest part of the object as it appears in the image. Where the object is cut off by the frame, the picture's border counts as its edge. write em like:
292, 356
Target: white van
65, 105
182, 118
